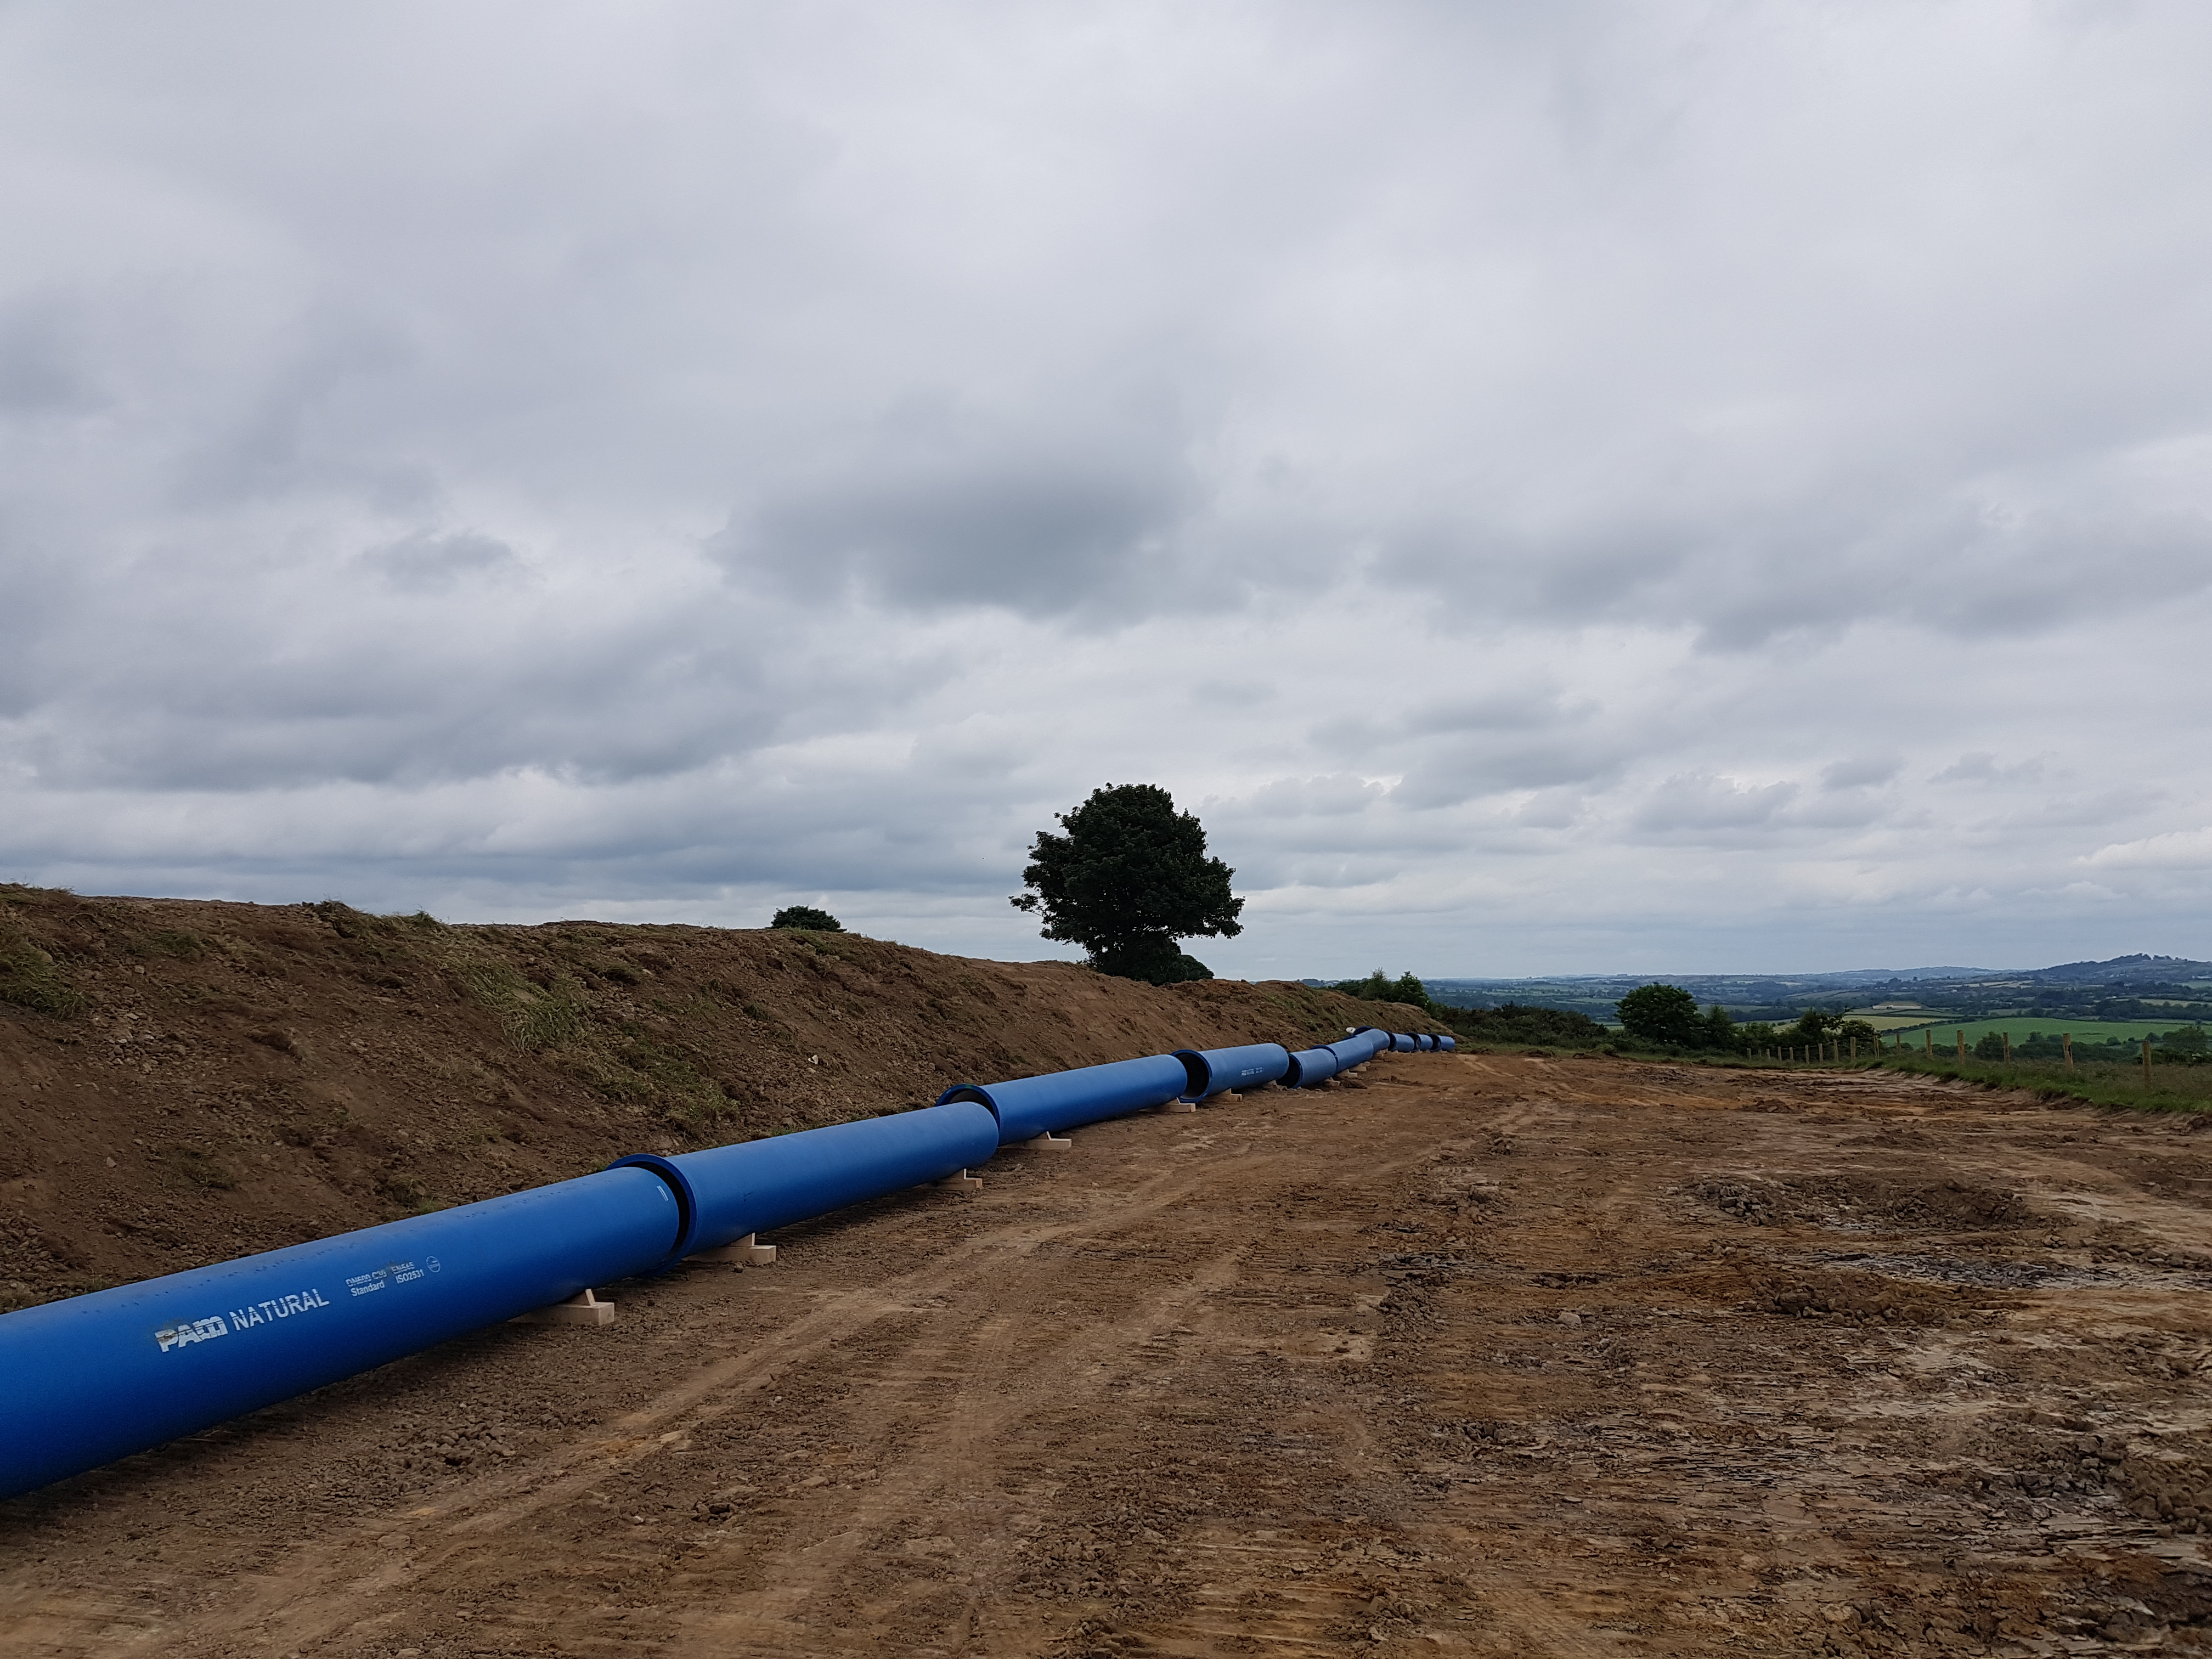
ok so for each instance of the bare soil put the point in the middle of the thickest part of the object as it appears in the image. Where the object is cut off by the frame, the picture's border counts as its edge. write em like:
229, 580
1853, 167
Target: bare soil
184, 1081
1486, 1354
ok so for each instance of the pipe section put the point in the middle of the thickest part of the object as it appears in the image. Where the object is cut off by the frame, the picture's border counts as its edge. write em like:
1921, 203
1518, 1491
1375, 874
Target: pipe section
96, 1377
1212, 1071
1360, 1047
1031, 1106
759, 1184
1309, 1066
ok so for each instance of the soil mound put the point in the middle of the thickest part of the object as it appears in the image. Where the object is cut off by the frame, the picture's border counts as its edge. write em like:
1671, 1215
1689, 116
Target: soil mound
183, 1081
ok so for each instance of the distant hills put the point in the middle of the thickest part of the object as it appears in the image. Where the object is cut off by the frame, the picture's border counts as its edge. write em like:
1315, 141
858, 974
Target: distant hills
2137, 987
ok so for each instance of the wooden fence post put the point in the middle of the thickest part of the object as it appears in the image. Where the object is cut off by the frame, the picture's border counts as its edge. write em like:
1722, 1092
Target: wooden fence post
2066, 1042
1961, 1036
2007, 1039
2146, 1062
1855, 1047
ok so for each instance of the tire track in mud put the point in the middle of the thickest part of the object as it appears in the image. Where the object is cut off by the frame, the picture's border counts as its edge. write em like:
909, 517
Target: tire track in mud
969, 1299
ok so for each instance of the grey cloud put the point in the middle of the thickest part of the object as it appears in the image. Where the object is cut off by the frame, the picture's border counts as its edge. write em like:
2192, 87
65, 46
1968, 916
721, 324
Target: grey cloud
1982, 767
1694, 802
1447, 774
426, 563
1232, 694
44, 367
1864, 772
1517, 710
1328, 796
944, 509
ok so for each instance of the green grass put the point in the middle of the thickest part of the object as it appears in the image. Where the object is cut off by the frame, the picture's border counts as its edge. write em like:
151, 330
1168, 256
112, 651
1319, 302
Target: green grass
29, 978
2172, 1088
2051, 1025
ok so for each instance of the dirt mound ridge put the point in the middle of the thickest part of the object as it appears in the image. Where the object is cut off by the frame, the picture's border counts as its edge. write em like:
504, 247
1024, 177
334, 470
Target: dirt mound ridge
182, 1081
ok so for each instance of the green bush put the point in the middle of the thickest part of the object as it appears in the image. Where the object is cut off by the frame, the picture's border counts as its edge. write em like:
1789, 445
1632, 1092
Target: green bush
807, 918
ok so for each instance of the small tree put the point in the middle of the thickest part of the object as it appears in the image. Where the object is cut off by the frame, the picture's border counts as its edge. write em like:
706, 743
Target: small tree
1129, 878
807, 916
1815, 1026
1661, 1014
1720, 1030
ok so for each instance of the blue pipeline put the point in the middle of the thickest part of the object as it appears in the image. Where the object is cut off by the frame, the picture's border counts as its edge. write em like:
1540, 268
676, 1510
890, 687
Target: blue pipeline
759, 1184
96, 1377
1212, 1071
1032, 1106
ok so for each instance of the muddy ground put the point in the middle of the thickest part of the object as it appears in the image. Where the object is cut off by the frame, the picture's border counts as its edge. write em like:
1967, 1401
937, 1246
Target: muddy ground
1490, 1355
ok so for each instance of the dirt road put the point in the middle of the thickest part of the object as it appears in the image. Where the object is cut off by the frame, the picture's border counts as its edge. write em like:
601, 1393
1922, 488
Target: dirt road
1500, 1355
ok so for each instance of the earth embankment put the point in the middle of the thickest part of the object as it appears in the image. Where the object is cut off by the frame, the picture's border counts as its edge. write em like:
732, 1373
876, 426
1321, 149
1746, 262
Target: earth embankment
185, 1081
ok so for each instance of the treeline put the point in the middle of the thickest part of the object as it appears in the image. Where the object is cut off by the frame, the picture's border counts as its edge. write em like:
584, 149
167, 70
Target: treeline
1510, 1023
2185, 1045
1667, 1016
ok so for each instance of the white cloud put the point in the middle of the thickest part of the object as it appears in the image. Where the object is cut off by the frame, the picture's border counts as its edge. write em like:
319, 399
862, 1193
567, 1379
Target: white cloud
1679, 486
2176, 849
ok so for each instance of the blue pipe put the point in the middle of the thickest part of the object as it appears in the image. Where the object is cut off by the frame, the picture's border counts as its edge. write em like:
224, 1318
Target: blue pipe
96, 1377
1215, 1070
1351, 1054
1360, 1047
1031, 1106
759, 1184
1449, 1045
1401, 1043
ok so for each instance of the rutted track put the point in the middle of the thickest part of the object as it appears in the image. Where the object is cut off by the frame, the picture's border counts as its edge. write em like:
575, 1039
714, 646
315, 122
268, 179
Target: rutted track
1292, 1374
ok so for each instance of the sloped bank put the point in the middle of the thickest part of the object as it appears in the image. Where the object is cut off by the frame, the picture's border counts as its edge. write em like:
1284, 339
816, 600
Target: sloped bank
182, 1081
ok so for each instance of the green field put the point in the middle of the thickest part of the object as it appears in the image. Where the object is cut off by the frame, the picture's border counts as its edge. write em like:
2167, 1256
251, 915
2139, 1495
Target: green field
2051, 1025
1891, 1022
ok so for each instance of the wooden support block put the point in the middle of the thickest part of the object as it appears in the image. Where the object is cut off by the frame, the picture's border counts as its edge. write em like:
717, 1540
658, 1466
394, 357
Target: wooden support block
1047, 1142
744, 1252
581, 1309
1170, 1107
960, 1181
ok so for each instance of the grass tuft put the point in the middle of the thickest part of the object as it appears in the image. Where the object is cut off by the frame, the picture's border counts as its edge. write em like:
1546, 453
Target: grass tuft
29, 978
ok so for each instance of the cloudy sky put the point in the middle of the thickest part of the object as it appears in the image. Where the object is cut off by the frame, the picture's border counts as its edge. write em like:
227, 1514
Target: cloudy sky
1564, 487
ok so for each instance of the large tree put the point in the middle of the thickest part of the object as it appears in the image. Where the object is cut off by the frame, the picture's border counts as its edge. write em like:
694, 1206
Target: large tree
1661, 1014
1129, 878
